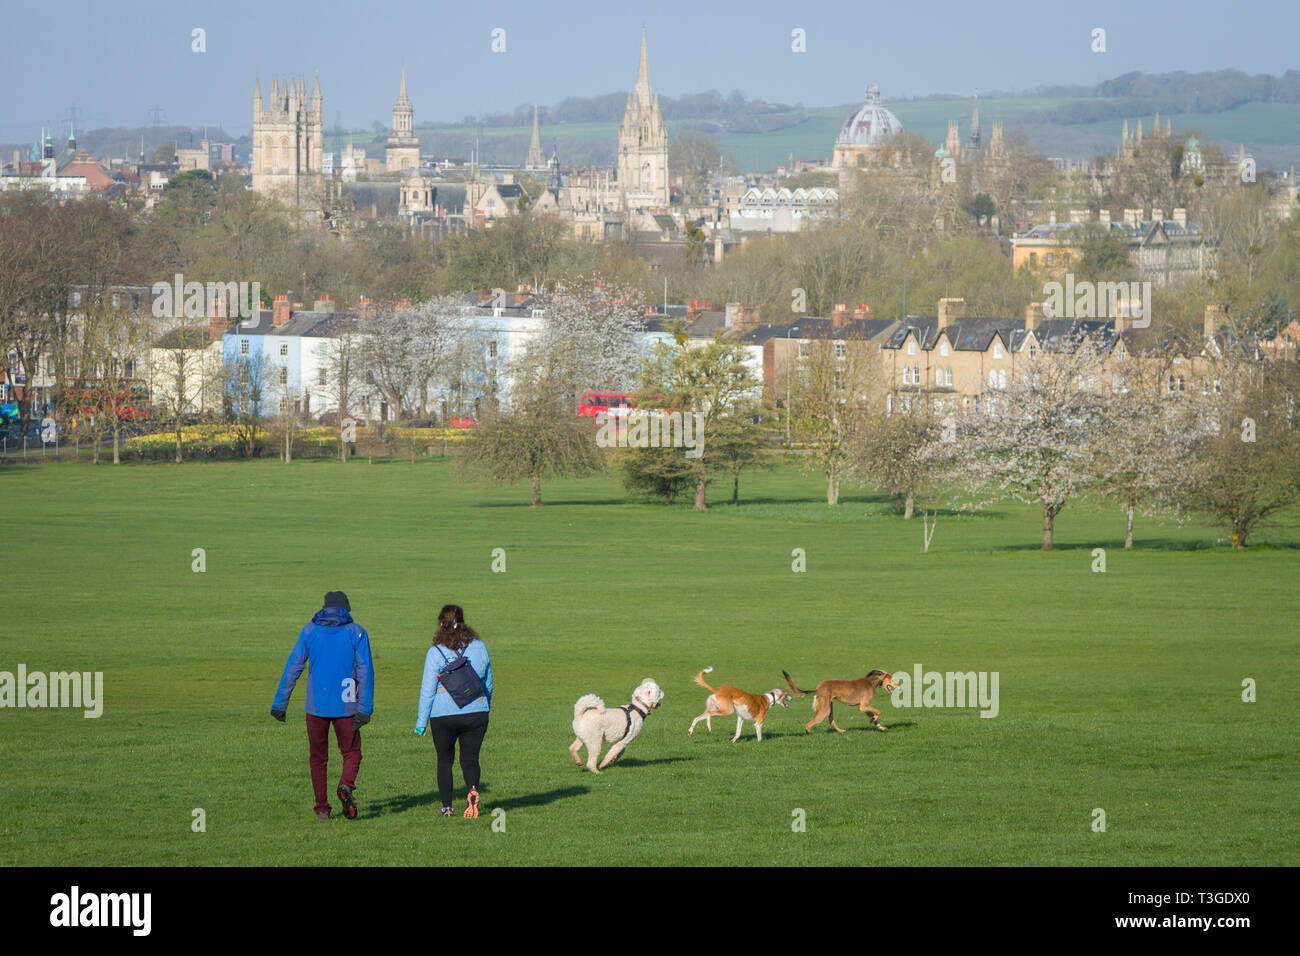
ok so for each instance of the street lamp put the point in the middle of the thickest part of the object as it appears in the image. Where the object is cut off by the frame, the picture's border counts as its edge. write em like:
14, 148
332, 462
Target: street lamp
793, 328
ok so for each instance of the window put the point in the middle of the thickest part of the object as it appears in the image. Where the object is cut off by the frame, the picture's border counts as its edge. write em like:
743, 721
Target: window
1050, 258
804, 349
839, 350
492, 350
243, 346
1033, 351
997, 348
907, 375
76, 298
1065, 259
322, 377
284, 375
1002, 378
284, 348
911, 346
947, 375
916, 375
993, 378
117, 300
938, 376
1033, 258
943, 348
839, 380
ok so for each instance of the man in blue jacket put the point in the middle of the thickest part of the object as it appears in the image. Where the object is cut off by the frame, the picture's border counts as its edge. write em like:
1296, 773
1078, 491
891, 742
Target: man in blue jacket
340, 691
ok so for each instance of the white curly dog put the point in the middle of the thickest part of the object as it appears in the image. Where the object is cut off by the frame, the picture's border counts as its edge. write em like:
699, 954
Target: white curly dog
594, 724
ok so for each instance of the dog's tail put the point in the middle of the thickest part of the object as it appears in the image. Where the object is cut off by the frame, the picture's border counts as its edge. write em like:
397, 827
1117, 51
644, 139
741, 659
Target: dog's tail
587, 702
699, 679
795, 690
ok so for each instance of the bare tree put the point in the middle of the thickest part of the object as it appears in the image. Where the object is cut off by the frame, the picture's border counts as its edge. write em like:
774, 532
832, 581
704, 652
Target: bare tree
827, 403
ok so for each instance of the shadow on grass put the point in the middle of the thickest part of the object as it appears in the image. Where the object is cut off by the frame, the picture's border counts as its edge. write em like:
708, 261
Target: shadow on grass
863, 728
409, 801
540, 799
1145, 544
413, 801
637, 762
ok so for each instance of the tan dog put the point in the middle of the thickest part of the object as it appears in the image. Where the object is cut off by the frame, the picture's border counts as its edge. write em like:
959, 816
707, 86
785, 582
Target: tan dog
726, 700
849, 692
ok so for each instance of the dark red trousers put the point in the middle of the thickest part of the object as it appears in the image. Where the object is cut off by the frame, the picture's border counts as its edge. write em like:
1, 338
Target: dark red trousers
318, 737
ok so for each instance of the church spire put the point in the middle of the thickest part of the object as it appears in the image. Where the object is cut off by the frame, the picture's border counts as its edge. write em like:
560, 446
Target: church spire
536, 158
643, 76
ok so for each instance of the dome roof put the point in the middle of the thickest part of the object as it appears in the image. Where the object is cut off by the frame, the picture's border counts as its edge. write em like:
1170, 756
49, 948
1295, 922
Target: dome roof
872, 125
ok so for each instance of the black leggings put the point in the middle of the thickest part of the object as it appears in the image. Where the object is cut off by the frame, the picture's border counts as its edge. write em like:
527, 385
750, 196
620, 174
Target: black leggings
469, 729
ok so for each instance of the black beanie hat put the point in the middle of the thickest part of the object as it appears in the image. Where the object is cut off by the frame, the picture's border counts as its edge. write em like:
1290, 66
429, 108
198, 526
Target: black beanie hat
337, 599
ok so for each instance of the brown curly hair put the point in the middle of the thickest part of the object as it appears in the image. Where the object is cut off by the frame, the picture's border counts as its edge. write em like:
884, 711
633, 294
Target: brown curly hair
453, 632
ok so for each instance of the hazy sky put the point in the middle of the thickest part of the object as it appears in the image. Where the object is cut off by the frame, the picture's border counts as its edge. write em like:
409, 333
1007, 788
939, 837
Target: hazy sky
117, 61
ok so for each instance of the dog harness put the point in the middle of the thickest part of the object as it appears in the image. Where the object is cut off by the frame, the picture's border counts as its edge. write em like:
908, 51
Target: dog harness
627, 713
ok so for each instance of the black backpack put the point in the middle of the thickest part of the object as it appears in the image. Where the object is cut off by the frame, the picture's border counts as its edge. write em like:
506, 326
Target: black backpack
460, 679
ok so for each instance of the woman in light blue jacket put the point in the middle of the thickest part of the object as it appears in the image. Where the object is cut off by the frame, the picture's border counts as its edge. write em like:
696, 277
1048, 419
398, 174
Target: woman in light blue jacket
438, 711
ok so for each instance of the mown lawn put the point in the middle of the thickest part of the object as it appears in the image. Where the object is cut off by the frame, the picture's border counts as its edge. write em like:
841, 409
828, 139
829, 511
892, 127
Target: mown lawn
1119, 691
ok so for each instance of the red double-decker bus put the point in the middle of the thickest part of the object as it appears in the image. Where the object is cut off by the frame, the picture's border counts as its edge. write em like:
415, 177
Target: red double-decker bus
129, 398
614, 404
619, 405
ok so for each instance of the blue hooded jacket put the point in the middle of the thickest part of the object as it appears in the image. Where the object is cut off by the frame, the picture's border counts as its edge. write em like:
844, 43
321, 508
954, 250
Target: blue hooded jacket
341, 681
435, 701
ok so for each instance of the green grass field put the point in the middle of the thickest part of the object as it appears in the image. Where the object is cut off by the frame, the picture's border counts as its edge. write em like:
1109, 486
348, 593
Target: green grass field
1118, 690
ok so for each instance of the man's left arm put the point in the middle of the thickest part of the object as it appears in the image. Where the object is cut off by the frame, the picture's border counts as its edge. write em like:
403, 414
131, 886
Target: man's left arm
364, 669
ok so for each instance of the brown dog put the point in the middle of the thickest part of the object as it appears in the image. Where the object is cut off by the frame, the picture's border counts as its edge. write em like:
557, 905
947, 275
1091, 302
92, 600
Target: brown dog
725, 700
849, 692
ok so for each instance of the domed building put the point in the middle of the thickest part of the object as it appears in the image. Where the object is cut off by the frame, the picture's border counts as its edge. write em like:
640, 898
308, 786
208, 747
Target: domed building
866, 135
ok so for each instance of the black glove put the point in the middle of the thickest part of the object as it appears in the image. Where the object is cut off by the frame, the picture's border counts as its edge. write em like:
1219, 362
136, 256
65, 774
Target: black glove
360, 720
277, 714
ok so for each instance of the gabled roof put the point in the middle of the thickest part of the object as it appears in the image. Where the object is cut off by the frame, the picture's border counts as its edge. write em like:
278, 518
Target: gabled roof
976, 335
1063, 335
925, 328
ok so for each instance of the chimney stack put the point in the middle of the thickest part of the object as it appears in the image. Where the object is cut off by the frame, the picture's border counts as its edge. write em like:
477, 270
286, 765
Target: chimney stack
323, 304
733, 313
217, 322
1103, 217
280, 310
1157, 214
1212, 321
366, 307
747, 317
1180, 216
840, 317
951, 310
1033, 315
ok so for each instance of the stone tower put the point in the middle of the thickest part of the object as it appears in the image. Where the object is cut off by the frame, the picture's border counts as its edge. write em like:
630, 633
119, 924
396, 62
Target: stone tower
403, 149
288, 140
536, 159
643, 146
975, 141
